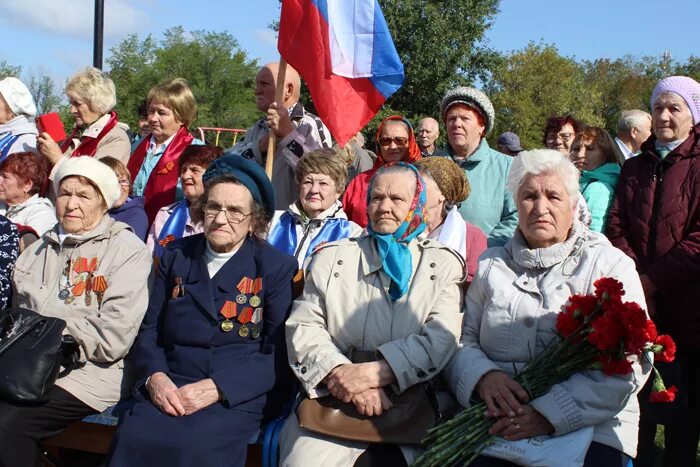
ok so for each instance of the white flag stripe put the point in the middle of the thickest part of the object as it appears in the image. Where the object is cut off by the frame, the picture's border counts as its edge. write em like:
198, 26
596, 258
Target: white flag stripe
351, 30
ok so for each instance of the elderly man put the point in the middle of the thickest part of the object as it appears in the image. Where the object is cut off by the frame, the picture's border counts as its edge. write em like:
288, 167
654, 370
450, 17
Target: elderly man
297, 131
17, 111
633, 129
509, 144
469, 116
426, 136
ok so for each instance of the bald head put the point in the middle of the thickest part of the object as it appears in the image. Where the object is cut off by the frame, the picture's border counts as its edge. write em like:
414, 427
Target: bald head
426, 135
266, 83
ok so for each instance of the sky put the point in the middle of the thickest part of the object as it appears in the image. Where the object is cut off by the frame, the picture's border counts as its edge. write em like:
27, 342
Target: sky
56, 35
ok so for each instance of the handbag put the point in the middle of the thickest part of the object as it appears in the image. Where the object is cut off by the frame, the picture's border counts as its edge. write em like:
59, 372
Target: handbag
32, 351
414, 412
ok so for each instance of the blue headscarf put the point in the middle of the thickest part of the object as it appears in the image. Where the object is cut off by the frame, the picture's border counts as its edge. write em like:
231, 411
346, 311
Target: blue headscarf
393, 248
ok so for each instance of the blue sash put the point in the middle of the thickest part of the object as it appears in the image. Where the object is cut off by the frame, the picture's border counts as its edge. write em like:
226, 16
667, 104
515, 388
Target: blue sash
284, 235
175, 226
6, 143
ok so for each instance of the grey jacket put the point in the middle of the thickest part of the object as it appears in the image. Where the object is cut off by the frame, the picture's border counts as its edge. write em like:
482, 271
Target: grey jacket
105, 332
510, 312
26, 128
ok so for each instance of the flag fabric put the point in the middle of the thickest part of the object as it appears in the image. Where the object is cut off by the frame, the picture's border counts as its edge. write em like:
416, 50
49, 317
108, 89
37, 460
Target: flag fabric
344, 52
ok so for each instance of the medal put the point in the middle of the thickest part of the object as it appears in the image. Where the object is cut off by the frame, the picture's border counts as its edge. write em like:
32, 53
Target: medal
241, 299
63, 294
243, 331
69, 299
257, 315
255, 333
228, 310
254, 301
88, 290
99, 285
227, 325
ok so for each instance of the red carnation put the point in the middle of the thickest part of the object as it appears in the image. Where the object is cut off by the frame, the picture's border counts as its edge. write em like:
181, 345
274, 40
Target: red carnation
650, 328
582, 305
607, 288
664, 348
668, 395
606, 332
615, 366
567, 324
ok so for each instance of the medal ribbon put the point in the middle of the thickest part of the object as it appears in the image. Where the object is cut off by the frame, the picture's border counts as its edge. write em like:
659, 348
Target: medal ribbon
229, 309
99, 284
245, 315
245, 285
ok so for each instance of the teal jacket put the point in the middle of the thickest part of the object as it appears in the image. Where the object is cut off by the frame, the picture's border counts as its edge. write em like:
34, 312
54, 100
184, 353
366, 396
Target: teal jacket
598, 189
489, 206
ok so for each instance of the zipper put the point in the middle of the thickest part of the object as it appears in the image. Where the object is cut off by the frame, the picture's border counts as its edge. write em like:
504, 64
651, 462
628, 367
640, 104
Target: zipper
657, 178
307, 231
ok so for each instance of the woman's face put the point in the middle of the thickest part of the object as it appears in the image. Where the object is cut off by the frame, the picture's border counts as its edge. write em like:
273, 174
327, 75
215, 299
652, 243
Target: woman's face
162, 121
124, 190
464, 129
545, 215
5, 112
390, 201
81, 111
586, 154
225, 231
192, 185
79, 207
671, 119
317, 192
434, 204
561, 140
13, 190
393, 142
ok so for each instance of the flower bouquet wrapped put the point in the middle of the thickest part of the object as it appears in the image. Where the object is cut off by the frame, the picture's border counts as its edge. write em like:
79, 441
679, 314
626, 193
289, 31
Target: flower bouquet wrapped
597, 331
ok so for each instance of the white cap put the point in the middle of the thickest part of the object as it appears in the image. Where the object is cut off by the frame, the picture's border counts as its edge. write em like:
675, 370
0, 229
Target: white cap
17, 97
98, 173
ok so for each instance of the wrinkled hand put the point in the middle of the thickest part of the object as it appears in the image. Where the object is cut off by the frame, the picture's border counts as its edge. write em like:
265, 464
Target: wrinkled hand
503, 396
164, 394
48, 148
278, 120
372, 402
531, 423
196, 396
346, 381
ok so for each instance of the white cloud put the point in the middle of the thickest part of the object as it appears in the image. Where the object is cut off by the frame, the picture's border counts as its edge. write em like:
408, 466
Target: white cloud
74, 18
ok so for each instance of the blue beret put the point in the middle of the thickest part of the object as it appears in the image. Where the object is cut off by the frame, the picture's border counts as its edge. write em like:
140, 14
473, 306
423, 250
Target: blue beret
249, 173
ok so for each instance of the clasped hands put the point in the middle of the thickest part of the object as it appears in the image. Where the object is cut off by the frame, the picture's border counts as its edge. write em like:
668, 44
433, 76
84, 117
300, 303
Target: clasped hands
185, 400
507, 401
361, 384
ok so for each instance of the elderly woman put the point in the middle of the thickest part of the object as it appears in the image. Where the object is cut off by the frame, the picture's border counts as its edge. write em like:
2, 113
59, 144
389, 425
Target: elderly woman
385, 293
655, 219
511, 311
127, 209
446, 186
17, 111
469, 116
184, 218
559, 133
396, 142
23, 176
317, 217
211, 348
596, 155
155, 163
92, 96
91, 272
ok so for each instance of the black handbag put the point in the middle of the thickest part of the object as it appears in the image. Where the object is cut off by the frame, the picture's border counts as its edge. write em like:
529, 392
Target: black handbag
32, 351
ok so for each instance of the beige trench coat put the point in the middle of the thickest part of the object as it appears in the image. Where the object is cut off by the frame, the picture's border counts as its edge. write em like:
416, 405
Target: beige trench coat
346, 306
105, 333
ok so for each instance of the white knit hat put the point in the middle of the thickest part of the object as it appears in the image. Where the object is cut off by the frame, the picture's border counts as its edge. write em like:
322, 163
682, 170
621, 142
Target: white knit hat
98, 173
17, 97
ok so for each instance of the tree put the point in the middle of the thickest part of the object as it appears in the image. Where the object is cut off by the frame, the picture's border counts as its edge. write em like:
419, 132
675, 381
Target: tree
43, 90
218, 71
9, 70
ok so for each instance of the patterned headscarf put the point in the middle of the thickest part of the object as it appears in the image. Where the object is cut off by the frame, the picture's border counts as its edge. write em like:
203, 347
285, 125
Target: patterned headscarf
393, 248
413, 149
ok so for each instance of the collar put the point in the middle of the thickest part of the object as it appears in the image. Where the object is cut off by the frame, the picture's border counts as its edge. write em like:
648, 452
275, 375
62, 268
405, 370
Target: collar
93, 131
545, 258
100, 229
296, 112
152, 145
334, 211
627, 152
475, 157
18, 207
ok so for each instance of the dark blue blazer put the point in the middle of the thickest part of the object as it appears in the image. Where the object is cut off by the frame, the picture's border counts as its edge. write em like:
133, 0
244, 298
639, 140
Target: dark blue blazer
181, 336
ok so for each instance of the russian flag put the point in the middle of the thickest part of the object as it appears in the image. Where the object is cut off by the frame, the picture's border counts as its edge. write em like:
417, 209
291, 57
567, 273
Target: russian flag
344, 51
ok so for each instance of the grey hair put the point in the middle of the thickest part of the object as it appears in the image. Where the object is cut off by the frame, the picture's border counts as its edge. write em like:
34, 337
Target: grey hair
632, 119
391, 170
540, 161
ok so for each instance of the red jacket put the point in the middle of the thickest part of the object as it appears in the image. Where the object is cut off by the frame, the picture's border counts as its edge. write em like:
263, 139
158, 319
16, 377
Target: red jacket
655, 219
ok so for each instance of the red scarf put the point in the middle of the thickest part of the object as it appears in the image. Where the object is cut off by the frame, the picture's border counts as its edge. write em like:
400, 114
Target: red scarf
88, 144
161, 184
413, 149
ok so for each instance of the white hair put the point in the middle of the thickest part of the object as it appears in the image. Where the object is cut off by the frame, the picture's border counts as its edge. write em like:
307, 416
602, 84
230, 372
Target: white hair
632, 119
95, 88
540, 161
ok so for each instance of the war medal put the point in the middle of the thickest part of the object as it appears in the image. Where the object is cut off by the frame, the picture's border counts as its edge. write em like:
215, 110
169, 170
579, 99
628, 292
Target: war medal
241, 299
88, 290
244, 317
64, 293
243, 331
255, 318
228, 310
254, 301
99, 285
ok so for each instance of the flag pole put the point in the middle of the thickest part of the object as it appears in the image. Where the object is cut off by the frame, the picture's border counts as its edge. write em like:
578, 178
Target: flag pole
279, 98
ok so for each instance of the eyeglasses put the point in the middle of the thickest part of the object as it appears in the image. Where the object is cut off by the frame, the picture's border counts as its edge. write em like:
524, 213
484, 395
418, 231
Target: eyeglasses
124, 182
233, 215
566, 137
398, 140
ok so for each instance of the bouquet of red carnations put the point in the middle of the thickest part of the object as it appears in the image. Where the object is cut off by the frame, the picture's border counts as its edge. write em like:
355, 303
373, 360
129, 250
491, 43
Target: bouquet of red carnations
597, 331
